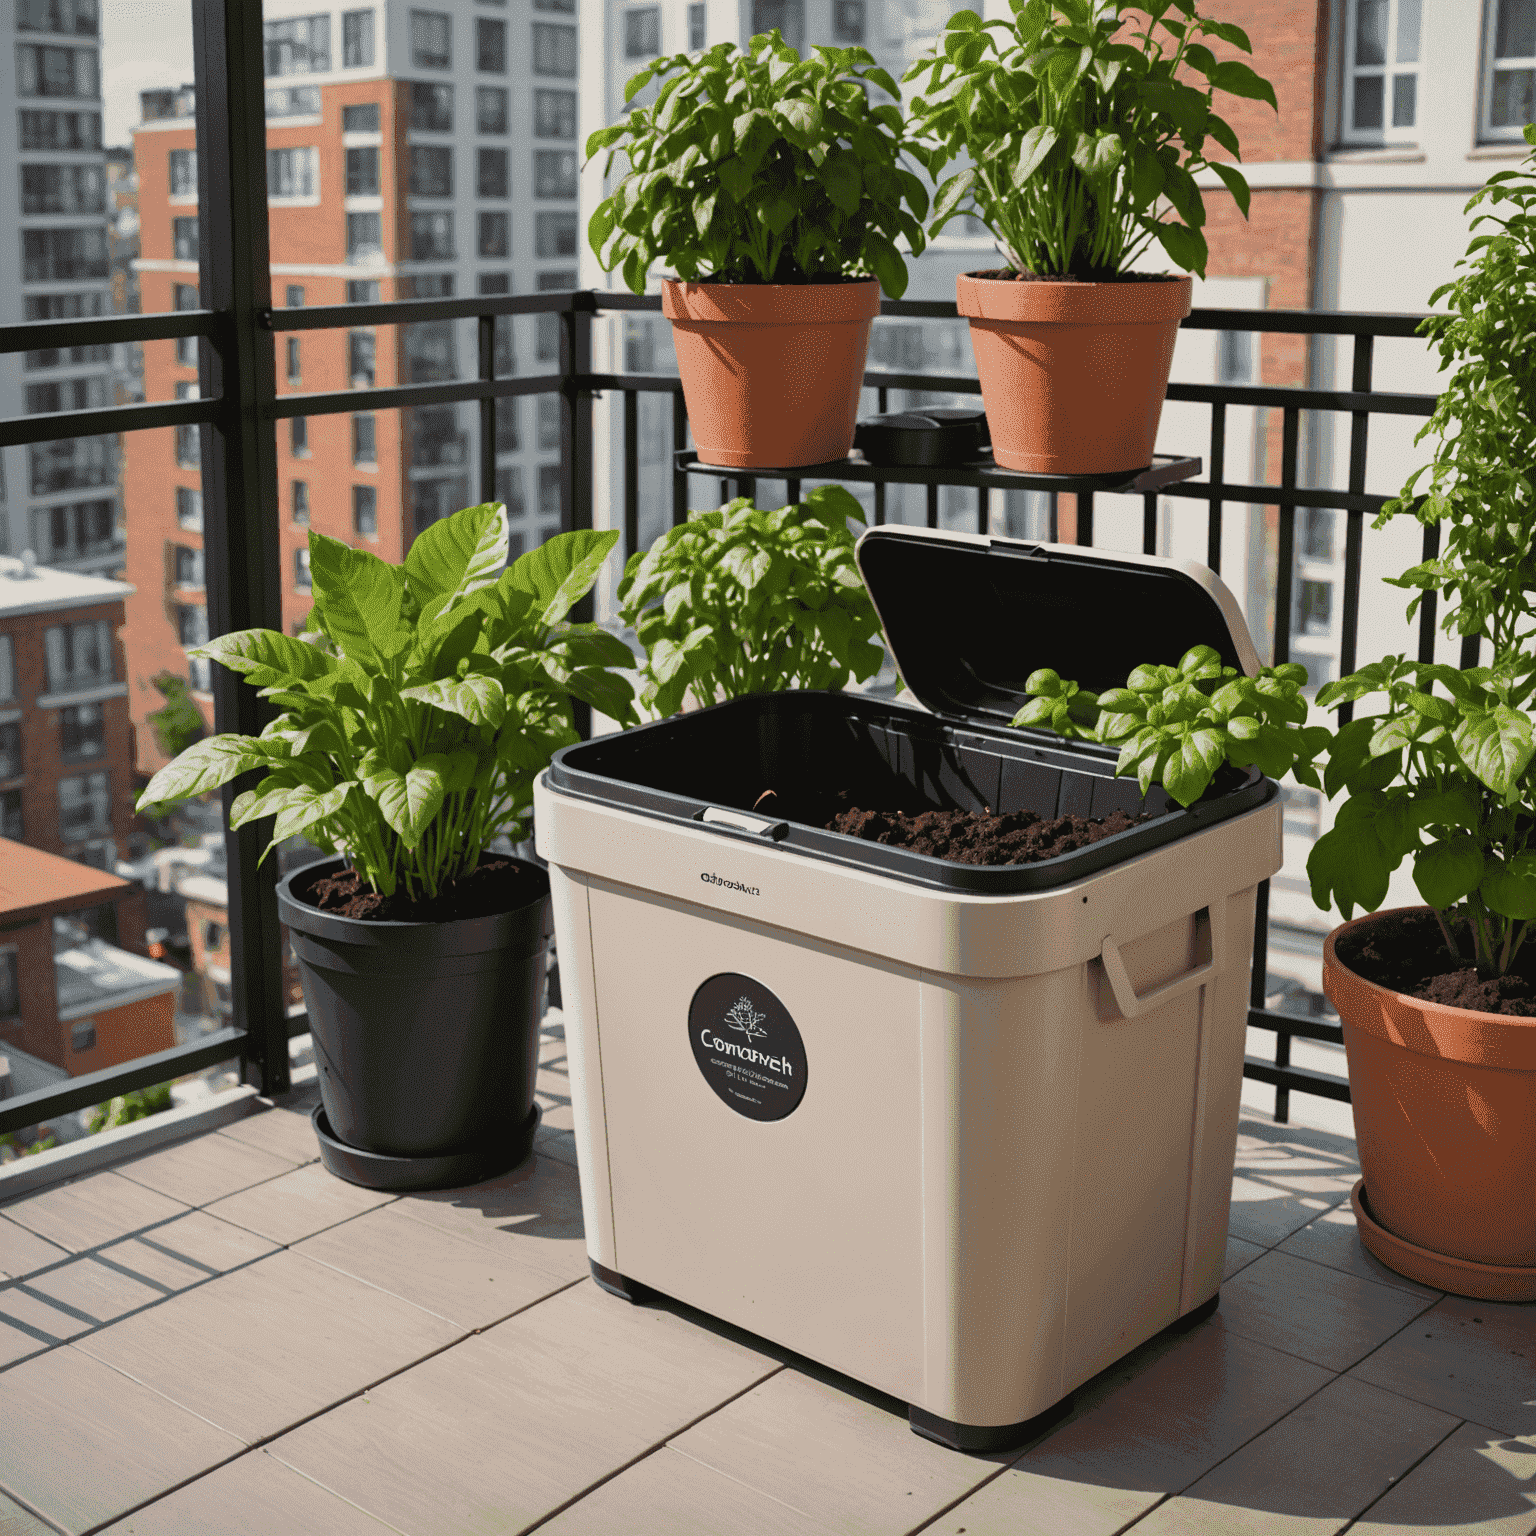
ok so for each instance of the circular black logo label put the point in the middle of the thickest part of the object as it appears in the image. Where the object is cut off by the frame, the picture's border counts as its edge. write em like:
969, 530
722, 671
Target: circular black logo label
747, 1047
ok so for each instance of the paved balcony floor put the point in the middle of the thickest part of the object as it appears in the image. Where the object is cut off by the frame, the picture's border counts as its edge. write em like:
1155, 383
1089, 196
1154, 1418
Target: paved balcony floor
219, 1338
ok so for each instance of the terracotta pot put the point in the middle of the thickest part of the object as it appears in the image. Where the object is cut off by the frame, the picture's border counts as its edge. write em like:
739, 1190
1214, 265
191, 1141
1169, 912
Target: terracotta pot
771, 371
1445, 1119
1073, 374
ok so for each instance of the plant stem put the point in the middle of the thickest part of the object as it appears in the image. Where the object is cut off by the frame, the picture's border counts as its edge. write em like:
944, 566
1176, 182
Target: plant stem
1450, 942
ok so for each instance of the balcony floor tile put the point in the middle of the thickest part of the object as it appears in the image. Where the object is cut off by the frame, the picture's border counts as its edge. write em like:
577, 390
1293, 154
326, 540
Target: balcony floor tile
512, 1424
283, 1131
22, 1252
204, 1169
86, 1212
15, 1521
84, 1443
1333, 1239
296, 1205
185, 1252
94, 1292
1474, 1483
257, 1351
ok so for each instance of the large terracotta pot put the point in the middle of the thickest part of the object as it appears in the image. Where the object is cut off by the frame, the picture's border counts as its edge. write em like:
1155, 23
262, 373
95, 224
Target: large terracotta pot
1073, 374
771, 371
1445, 1118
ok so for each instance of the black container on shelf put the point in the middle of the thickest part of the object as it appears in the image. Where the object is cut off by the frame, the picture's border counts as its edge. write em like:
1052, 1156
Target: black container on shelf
929, 437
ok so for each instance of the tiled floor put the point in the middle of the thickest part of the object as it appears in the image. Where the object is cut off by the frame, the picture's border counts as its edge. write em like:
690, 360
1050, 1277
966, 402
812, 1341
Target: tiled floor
219, 1339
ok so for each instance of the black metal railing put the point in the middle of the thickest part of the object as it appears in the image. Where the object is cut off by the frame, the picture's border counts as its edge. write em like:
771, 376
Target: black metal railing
238, 411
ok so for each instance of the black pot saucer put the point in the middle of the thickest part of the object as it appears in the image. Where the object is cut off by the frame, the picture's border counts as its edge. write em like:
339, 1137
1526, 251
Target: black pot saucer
399, 1175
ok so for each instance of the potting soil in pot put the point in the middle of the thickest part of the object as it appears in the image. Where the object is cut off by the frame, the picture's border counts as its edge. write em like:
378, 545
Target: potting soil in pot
498, 885
1406, 952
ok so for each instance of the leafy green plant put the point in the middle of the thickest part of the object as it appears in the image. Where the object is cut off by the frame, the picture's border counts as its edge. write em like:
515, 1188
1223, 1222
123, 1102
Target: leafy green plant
1075, 125
1177, 726
738, 601
179, 722
416, 716
762, 167
128, 1107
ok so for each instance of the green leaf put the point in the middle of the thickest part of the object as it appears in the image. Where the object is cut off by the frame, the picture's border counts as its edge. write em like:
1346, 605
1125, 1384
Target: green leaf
1510, 889
460, 554
206, 765
1190, 769
1186, 247
477, 698
1349, 867
268, 659
1496, 745
1238, 80
1448, 871
1034, 145
303, 807
1237, 184
360, 598
561, 571
409, 800
844, 185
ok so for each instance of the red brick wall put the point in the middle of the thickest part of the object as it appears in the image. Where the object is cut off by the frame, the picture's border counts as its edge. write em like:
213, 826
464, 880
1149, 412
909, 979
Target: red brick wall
36, 1030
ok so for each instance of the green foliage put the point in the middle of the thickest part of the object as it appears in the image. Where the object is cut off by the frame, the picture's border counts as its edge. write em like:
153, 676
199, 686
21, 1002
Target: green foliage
1479, 487
179, 722
11, 1147
428, 697
762, 167
1076, 127
739, 601
128, 1107
1176, 726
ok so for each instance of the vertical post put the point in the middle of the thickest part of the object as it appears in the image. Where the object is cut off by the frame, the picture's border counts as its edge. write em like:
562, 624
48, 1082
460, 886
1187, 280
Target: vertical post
879, 503
1218, 477
486, 329
1428, 609
239, 454
631, 473
792, 491
1285, 557
1354, 531
933, 506
576, 445
1149, 523
1085, 517
679, 476
983, 510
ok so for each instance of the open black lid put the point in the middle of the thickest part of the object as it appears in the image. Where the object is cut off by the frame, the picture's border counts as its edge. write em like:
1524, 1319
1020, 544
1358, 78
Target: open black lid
969, 618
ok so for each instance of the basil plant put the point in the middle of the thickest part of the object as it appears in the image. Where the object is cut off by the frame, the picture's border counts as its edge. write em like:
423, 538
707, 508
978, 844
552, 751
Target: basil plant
1078, 121
422, 704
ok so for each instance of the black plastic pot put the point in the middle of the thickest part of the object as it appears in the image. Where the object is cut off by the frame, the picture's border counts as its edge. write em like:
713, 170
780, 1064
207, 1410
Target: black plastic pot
426, 1036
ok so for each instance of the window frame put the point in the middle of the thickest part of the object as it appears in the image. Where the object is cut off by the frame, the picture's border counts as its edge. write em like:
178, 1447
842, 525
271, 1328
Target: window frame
1387, 136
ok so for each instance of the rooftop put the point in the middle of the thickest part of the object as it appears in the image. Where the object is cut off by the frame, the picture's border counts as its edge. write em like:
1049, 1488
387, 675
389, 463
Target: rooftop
35, 884
219, 1337
27, 588
97, 975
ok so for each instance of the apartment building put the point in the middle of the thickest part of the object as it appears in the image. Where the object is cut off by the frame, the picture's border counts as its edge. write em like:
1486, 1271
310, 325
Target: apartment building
414, 151
60, 498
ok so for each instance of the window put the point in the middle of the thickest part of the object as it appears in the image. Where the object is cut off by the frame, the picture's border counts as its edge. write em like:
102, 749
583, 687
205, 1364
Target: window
362, 117
298, 436
294, 101
356, 39
293, 373
554, 234
301, 578
490, 46
66, 306
67, 395
1300, 809
430, 354
490, 109
1314, 607
82, 732
554, 50
787, 15
1316, 533
76, 16
70, 255
430, 46
436, 440
70, 464
549, 422
431, 170
365, 237
189, 567
640, 344
432, 237
431, 107
565, 7
79, 656
7, 669
361, 352
554, 114
495, 234
549, 490
363, 292
495, 282
10, 979
57, 72
301, 45
1234, 357
61, 130
365, 510
293, 296
546, 338
184, 297
82, 1035
10, 820
199, 674
293, 173
492, 177
183, 175
10, 751
428, 285
695, 28
1509, 81
1381, 83
191, 625
509, 491
300, 502
74, 529
848, 22
434, 499
509, 437
189, 509
642, 32
188, 444
184, 239
554, 173
362, 173
63, 189
365, 448
85, 807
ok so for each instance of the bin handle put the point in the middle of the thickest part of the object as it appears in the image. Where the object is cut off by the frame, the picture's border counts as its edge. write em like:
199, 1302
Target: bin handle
1130, 1002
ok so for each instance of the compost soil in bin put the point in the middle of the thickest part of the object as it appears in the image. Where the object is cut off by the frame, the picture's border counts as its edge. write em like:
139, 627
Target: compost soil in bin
498, 885
1406, 953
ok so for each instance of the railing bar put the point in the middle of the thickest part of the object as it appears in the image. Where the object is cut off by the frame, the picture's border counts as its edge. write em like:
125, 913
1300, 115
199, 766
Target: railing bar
631, 473
1285, 555
879, 503
104, 421
1149, 523
1053, 529
679, 476
983, 510
390, 397
54, 335
882, 399
1428, 607
1085, 517
330, 317
1300, 1025
1471, 645
1275, 495
485, 329
1257, 982
1213, 526
1354, 528
792, 490
933, 506
1322, 1085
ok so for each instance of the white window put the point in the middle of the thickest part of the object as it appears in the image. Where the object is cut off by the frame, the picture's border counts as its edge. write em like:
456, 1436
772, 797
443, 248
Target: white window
1509, 74
1381, 78
7, 669
293, 173
356, 39
79, 656
300, 45
430, 43
642, 32
183, 175
85, 807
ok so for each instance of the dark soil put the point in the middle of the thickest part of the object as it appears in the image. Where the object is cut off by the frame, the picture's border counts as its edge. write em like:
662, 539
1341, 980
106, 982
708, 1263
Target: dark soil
972, 837
1406, 952
1013, 275
498, 885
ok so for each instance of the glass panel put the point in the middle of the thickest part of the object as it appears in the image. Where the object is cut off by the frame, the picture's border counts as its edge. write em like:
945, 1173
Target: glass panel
1370, 31
1514, 98
642, 32
695, 28
1407, 31
1515, 35
1404, 93
1368, 100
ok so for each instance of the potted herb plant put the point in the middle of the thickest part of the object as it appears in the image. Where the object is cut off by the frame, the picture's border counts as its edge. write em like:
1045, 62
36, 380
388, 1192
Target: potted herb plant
775, 188
1438, 1003
414, 719
1078, 129
740, 600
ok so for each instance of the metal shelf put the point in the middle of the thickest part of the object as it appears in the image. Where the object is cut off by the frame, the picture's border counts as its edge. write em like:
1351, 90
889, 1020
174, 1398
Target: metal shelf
1163, 470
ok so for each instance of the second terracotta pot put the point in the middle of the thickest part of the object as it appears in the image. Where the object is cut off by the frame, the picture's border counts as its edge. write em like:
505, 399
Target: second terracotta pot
771, 371
1445, 1119
1073, 374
